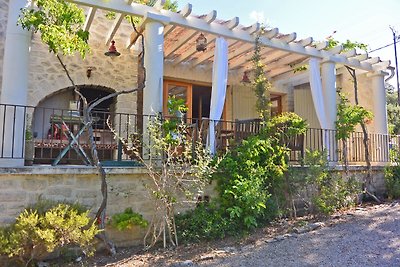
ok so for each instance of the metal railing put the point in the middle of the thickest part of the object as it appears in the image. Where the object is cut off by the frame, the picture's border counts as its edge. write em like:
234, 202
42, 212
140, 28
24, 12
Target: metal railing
49, 131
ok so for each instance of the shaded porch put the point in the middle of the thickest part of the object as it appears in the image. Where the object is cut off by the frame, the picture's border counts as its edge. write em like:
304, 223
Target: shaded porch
44, 148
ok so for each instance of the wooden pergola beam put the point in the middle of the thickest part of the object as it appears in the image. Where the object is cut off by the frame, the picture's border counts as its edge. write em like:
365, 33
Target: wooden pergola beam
89, 18
191, 33
117, 23
288, 38
191, 22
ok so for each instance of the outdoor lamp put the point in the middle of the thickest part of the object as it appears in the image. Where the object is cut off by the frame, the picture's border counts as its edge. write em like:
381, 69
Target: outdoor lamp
201, 43
112, 50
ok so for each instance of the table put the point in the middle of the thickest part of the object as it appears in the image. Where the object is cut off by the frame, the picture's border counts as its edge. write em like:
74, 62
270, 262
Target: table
71, 120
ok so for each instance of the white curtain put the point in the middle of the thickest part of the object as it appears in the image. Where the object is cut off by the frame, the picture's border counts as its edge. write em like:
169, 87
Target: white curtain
318, 99
316, 92
219, 83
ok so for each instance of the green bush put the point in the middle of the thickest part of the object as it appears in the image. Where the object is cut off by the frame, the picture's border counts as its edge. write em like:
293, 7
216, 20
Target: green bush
246, 179
392, 181
127, 219
248, 176
250, 185
289, 124
39, 232
205, 222
333, 191
392, 176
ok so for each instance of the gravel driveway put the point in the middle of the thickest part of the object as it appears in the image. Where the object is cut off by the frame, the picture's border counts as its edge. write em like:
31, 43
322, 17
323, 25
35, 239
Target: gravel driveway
370, 237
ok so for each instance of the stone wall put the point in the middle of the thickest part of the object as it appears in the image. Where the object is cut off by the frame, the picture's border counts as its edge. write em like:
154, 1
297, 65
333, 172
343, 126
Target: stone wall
378, 188
47, 77
365, 93
22, 187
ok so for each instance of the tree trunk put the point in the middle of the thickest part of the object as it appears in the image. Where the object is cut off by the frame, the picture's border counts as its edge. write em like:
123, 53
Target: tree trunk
87, 120
368, 179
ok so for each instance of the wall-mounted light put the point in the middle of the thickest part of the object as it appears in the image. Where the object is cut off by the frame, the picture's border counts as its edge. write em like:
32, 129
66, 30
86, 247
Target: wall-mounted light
89, 71
112, 50
201, 43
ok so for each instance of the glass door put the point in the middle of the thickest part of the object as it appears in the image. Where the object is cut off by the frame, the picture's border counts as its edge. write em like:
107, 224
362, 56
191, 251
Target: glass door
180, 91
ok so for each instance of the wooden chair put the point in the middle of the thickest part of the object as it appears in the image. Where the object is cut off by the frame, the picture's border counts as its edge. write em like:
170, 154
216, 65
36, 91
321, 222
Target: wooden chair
245, 128
296, 144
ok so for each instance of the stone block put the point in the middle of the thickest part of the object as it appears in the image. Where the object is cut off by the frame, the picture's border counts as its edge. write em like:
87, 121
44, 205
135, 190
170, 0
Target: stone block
86, 194
70, 181
6, 220
8, 183
55, 180
13, 196
88, 182
34, 184
33, 197
59, 192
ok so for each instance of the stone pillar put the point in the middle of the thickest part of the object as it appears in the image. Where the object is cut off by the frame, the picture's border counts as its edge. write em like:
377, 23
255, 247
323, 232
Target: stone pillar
154, 63
154, 67
14, 89
328, 77
379, 103
380, 115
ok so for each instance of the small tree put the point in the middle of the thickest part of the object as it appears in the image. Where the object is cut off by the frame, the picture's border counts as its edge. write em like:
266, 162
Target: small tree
348, 117
177, 164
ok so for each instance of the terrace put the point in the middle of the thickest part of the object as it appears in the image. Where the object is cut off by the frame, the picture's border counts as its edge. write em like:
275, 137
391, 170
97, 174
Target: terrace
210, 81
53, 130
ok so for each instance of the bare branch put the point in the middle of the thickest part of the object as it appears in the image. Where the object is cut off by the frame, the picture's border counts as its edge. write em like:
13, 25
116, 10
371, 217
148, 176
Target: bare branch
97, 102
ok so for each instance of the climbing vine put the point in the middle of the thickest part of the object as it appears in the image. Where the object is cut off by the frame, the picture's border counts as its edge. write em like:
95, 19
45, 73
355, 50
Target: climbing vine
346, 45
261, 85
331, 44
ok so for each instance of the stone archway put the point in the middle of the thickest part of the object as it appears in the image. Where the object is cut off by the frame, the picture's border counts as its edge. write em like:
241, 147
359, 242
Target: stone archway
61, 103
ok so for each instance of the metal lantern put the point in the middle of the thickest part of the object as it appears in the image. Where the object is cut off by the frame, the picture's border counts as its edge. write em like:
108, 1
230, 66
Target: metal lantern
201, 43
112, 50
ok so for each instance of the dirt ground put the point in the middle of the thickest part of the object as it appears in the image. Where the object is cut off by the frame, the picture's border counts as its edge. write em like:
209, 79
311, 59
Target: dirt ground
367, 235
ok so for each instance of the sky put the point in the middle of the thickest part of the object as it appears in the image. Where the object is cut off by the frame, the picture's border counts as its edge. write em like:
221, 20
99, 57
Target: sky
357, 20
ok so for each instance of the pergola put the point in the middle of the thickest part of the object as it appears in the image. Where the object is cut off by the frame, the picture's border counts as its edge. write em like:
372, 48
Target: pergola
280, 51
169, 38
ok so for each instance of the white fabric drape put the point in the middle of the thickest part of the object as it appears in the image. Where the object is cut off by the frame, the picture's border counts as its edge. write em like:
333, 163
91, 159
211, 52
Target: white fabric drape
316, 92
318, 99
219, 83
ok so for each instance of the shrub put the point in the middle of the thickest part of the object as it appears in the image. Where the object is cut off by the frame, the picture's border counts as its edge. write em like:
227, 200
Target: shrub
392, 176
246, 180
336, 192
127, 219
205, 222
39, 232
392, 181
333, 191
289, 124
247, 177
250, 185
